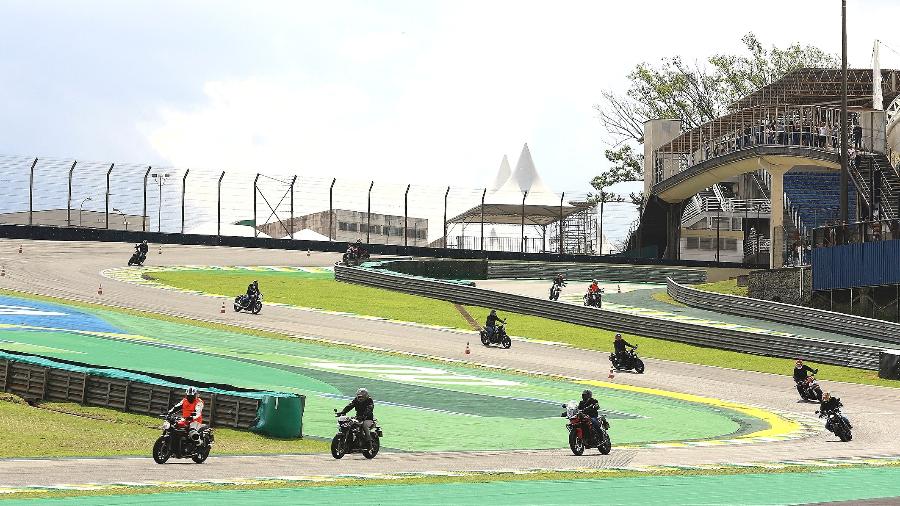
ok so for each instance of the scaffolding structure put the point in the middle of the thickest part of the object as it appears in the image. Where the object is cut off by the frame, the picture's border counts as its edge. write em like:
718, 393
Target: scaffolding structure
579, 231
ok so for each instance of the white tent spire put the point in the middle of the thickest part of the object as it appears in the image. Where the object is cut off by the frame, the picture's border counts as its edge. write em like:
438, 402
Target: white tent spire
502, 175
525, 178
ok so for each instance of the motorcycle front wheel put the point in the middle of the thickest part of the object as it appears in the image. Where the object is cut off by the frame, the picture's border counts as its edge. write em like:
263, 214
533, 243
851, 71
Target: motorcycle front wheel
639, 366
605, 444
202, 455
257, 307
506, 342
376, 445
337, 447
484, 338
161, 451
576, 443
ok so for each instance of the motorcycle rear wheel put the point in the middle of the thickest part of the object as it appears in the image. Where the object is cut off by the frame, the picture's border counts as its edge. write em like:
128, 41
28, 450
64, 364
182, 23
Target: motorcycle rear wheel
639, 366
576, 444
845, 435
605, 445
202, 455
376, 445
161, 451
337, 447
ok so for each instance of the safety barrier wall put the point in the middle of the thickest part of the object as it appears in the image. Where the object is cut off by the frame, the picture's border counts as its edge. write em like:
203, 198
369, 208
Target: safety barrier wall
104, 235
36, 378
605, 272
818, 319
818, 350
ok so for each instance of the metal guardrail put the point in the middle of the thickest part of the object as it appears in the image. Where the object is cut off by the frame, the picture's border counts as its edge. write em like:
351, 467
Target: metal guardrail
816, 350
32, 381
779, 312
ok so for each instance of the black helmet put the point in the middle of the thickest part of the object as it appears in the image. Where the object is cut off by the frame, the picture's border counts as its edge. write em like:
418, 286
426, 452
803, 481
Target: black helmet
493, 311
618, 336
586, 394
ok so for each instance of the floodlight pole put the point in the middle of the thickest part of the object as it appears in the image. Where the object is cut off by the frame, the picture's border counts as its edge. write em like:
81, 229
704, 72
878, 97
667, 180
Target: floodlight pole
219, 206
69, 204
107, 193
561, 232
331, 209
446, 195
844, 185
255, 230
524, 195
406, 217
31, 193
294, 180
183, 193
483, 194
369, 212
144, 214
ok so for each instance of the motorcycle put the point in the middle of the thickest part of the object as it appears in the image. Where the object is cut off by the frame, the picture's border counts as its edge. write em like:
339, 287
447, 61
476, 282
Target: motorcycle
349, 438
243, 302
837, 424
631, 361
137, 258
355, 256
500, 337
581, 431
810, 390
177, 440
555, 290
594, 299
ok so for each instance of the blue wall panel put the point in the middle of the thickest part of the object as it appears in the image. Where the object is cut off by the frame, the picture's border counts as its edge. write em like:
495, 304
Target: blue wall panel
852, 265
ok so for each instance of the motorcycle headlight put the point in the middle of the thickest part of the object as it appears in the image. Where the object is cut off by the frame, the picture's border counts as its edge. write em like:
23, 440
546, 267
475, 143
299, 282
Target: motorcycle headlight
166, 425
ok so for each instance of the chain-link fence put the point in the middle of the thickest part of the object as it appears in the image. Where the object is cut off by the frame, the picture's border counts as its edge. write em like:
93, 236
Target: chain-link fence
125, 196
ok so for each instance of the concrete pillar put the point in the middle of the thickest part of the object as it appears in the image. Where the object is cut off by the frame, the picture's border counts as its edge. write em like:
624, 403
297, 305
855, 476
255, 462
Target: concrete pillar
776, 220
656, 133
874, 126
673, 231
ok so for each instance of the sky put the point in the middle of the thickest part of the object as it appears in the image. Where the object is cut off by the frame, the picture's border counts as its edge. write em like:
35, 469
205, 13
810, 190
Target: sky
423, 92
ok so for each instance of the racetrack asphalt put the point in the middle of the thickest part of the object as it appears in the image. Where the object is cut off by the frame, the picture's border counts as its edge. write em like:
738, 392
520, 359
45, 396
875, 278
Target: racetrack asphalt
71, 270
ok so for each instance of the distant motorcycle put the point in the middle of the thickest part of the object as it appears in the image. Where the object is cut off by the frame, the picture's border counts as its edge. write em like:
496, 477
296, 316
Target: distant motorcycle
555, 290
810, 390
581, 431
349, 438
594, 299
355, 256
631, 361
500, 337
837, 424
178, 441
137, 258
243, 303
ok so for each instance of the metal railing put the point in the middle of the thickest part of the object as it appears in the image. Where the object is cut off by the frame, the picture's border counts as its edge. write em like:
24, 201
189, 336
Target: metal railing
864, 231
818, 350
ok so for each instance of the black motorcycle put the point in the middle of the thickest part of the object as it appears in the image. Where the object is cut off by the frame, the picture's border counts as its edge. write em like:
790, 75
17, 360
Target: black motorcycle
178, 441
594, 299
349, 438
137, 258
355, 256
555, 290
629, 362
837, 424
245, 303
500, 337
810, 390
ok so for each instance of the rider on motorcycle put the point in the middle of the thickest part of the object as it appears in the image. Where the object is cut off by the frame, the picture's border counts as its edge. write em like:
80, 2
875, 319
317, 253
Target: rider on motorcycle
801, 372
191, 411
252, 293
365, 413
559, 280
829, 403
591, 408
143, 248
491, 324
620, 345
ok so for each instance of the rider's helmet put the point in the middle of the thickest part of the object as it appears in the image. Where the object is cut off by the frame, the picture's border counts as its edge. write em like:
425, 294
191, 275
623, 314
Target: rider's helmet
362, 393
826, 396
586, 394
618, 336
190, 393
494, 312
144, 241
799, 364
594, 281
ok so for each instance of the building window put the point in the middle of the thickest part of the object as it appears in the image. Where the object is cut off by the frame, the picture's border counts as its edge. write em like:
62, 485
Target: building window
342, 226
692, 243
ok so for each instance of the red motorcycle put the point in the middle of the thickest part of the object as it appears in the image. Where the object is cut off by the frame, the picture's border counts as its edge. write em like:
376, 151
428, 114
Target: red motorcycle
581, 431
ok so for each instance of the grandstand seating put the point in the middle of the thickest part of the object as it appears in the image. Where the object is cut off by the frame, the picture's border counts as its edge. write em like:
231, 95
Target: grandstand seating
816, 195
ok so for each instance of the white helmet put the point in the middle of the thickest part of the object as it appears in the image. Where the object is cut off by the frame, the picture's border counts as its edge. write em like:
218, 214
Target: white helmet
190, 391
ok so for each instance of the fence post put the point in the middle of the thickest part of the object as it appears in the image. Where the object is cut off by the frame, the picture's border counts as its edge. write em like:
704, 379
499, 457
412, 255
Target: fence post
255, 230
219, 207
294, 180
107, 193
406, 217
524, 195
183, 193
482, 219
31, 193
446, 195
144, 214
369, 211
69, 200
561, 232
331, 209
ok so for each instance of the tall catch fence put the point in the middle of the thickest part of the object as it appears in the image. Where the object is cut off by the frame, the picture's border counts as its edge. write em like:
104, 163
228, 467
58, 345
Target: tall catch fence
232, 202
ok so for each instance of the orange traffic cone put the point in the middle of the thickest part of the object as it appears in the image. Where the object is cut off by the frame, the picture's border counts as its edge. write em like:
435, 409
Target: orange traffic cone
611, 374
20, 249
619, 288
307, 251
468, 351
2, 271
160, 249
223, 308
100, 289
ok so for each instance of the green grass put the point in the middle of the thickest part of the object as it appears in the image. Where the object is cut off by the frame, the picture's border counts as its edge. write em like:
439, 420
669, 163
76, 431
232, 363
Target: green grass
729, 287
330, 294
70, 430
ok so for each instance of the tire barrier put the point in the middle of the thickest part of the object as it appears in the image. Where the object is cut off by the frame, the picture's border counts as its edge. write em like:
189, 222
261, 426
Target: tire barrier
783, 346
779, 312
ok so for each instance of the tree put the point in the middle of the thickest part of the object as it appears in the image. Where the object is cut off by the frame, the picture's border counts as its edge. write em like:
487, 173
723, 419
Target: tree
627, 166
699, 93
